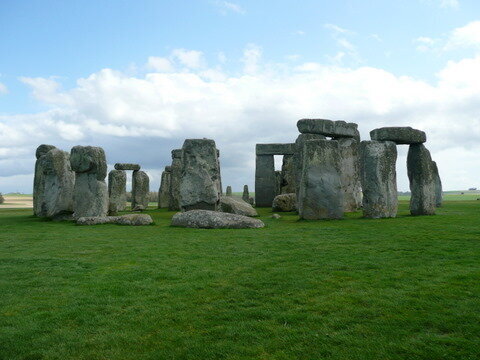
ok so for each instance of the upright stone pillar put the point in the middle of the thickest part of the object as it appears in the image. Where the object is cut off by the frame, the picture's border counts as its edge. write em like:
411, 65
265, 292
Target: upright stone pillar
264, 180
175, 176
438, 186
117, 191
422, 180
288, 175
298, 156
229, 191
320, 195
379, 178
246, 194
200, 180
39, 180
140, 190
164, 190
91, 192
278, 182
350, 173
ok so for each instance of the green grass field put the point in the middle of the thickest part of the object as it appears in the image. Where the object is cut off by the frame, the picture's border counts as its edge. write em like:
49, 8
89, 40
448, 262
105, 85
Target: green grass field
404, 288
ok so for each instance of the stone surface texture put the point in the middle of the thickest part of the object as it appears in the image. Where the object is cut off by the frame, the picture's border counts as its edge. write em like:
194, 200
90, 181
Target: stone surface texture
278, 182
39, 180
275, 149
207, 219
229, 191
127, 166
129, 219
288, 175
91, 192
320, 195
200, 180
164, 190
350, 174
422, 180
176, 174
140, 190
438, 185
285, 202
232, 205
264, 180
399, 135
329, 128
379, 179
246, 194
117, 191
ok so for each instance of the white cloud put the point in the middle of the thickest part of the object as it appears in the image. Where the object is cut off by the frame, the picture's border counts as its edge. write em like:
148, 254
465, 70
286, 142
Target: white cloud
159, 64
141, 118
467, 36
225, 7
425, 43
3, 89
192, 59
349, 50
337, 29
449, 4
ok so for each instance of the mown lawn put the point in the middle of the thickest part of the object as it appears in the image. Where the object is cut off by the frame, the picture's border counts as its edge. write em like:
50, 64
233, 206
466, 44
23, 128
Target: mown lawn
405, 288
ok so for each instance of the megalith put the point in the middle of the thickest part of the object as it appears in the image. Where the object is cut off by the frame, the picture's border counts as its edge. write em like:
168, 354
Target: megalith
331, 128
288, 175
350, 173
175, 176
246, 194
379, 178
278, 183
200, 178
229, 191
438, 186
90, 192
422, 180
140, 190
117, 191
320, 194
298, 156
39, 180
399, 135
164, 190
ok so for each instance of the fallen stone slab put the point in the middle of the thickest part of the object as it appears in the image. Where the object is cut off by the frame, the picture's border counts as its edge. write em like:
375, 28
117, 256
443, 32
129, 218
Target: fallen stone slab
329, 128
129, 219
229, 204
399, 135
285, 202
207, 219
127, 166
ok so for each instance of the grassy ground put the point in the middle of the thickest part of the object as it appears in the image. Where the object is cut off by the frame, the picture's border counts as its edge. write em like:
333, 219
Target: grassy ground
405, 288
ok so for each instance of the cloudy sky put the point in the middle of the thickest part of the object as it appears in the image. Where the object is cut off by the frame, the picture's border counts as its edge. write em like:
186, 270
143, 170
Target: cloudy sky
138, 77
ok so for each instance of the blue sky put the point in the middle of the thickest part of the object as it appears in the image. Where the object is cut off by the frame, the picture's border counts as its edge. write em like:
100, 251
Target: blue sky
90, 71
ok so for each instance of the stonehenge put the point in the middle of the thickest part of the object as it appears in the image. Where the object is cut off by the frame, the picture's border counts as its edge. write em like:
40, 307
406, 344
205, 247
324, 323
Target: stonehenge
421, 175
140, 190
438, 185
246, 194
175, 175
228, 192
117, 191
39, 179
399, 135
164, 190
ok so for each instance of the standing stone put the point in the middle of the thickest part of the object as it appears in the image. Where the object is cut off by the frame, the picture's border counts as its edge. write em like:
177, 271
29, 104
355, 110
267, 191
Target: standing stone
59, 184
288, 175
117, 191
175, 176
229, 191
379, 178
438, 186
140, 190
422, 180
91, 192
164, 191
39, 180
200, 180
320, 195
246, 195
350, 173
220, 187
264, 180
278, 183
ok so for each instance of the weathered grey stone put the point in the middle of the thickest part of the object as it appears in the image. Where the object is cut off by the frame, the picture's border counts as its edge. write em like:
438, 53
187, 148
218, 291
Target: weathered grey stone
275, 149
90, 192
422, 180
438, 185
298, 156
278, 182
399, 135
200, 180
379, 179
231, 205
39, 180
219, 182
288, 175
275, 216
285, 202
127, 166
251, 201
350, 174
117, 191
320, 195
229, 191
164, 190
264, 180
246, 195
176, 174
329, 128
207, 219
129, 219
140, 190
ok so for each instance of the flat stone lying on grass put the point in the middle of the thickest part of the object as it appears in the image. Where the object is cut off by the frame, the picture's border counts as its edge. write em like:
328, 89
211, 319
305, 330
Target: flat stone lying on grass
207, 219
275, 216
229, 204
399, 135
129, 219
329, 128
285, 202
127, 166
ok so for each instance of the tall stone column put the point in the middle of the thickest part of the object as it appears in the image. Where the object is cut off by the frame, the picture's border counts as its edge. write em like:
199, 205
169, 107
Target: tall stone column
320, 194
164, 190
438, 186
140, 190
117, 191
379, 178
175, 176
39, 180
264, 180
422, 180
350, 173
298, 156
288, 175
